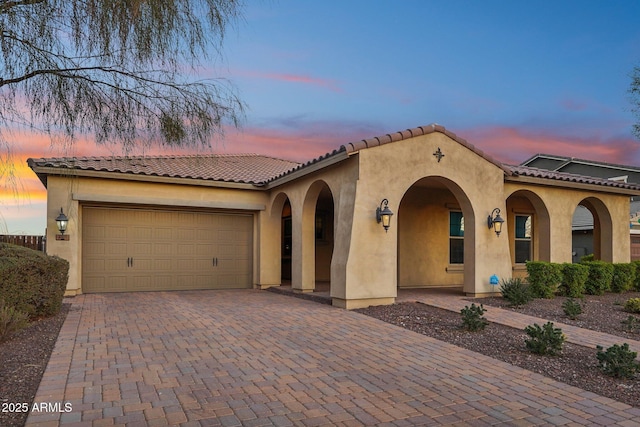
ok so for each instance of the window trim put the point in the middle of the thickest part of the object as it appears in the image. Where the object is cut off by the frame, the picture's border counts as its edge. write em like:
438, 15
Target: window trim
523, 239
451, 264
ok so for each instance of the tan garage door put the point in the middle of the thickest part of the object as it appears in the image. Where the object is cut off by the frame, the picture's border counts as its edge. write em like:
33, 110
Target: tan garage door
127, 250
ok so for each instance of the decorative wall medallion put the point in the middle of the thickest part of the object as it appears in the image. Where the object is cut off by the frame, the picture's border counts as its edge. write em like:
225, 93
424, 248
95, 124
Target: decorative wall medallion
438, 154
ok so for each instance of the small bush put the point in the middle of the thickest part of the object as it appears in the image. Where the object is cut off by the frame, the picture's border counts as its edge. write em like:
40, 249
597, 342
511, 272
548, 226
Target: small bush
636, 281
572, 308
473, 319
618, 361
632, 305
32, 282
631, 324
599, 279
574, 278
623, 278
11, 320
545, 339
544, 278
516, 291
587, 258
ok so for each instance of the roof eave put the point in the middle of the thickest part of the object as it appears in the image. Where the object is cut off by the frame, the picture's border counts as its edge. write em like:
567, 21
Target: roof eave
307, 169
549, 182
44, 171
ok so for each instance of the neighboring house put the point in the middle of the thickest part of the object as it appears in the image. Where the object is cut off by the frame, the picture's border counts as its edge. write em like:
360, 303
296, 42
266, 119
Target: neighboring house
242, 221
583, 229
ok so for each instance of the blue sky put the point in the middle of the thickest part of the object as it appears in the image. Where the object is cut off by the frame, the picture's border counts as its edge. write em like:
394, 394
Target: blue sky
514, 78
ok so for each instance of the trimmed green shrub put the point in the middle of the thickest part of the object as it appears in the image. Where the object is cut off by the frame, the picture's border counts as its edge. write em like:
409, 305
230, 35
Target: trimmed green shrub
618, 361
600, 276
473, 319
624, 275
11, 320
632, 305
636, 282
545, 339
587, 258
574, 278
516, 291
32, 282
572, 308
544, 278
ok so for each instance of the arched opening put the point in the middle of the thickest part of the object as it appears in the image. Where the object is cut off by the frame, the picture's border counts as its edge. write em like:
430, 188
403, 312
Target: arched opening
529, 230
592, 230
286, 242
436, 236
317, 239
282, 242
324, 238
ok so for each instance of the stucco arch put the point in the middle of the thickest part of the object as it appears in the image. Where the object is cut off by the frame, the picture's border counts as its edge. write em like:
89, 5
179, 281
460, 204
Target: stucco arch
523, 202
281, 214
423, 235
306, 268
602, 228
278, 203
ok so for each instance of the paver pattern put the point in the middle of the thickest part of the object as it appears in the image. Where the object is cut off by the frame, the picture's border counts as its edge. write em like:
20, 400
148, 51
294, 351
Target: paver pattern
255, 358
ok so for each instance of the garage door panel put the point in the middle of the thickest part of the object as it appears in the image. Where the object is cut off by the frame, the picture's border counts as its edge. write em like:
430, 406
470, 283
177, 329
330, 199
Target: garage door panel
169, 250
186, 249
160, 233
141, 248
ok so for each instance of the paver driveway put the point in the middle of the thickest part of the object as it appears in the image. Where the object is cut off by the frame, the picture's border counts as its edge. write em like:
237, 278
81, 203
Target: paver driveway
259, 358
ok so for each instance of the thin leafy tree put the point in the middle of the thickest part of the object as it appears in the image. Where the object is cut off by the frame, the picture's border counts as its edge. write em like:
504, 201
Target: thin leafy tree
122, 71
634, 91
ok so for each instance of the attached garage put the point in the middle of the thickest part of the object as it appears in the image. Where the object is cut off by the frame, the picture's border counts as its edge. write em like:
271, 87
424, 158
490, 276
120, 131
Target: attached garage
129, 249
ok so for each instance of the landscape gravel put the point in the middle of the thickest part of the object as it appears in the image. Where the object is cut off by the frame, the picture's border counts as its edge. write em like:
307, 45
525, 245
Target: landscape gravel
576, 365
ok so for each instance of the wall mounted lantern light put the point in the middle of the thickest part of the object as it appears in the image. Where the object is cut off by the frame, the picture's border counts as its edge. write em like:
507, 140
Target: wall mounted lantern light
495, 221
62, 221
383, 214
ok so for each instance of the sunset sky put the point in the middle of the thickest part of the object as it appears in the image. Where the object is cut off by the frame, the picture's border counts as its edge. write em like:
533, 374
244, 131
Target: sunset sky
513, 78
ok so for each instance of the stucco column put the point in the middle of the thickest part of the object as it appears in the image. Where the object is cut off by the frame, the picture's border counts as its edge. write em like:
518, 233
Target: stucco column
58, 197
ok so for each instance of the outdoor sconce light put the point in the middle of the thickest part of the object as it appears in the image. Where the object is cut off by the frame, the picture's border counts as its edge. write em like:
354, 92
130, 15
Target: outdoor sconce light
62, 221
383, 214
495, 221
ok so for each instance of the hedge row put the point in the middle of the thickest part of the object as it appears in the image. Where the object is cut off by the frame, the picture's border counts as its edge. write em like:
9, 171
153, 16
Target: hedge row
547, 279
32, 282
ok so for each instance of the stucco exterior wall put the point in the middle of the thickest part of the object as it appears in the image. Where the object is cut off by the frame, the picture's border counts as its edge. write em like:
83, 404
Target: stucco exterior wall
71, 193
423, 239
303, 195
561, 202
388, 171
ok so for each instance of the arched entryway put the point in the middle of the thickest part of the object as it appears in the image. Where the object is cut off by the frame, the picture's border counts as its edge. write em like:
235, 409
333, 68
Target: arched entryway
436, 235
317, 238
282, 212
529, 230
592, 230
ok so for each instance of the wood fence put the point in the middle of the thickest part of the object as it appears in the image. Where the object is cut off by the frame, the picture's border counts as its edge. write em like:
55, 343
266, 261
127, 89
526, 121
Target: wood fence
39, 243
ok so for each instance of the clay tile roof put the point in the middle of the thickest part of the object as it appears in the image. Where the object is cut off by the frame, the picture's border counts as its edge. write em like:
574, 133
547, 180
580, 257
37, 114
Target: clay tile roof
240, 168
570, 177
354, 147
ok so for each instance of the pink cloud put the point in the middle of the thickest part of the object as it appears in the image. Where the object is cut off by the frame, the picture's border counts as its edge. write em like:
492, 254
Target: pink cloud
513, 145
294, 78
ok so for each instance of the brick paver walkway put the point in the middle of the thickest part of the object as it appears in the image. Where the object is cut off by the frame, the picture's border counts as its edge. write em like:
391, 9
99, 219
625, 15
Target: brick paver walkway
256, 358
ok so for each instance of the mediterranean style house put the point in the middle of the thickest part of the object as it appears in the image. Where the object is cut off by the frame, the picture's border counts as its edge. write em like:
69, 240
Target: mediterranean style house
416, 208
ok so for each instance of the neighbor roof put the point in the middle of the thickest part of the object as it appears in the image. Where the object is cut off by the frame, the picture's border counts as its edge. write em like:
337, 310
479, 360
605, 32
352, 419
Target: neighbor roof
240, 168
582, 166
570, 177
